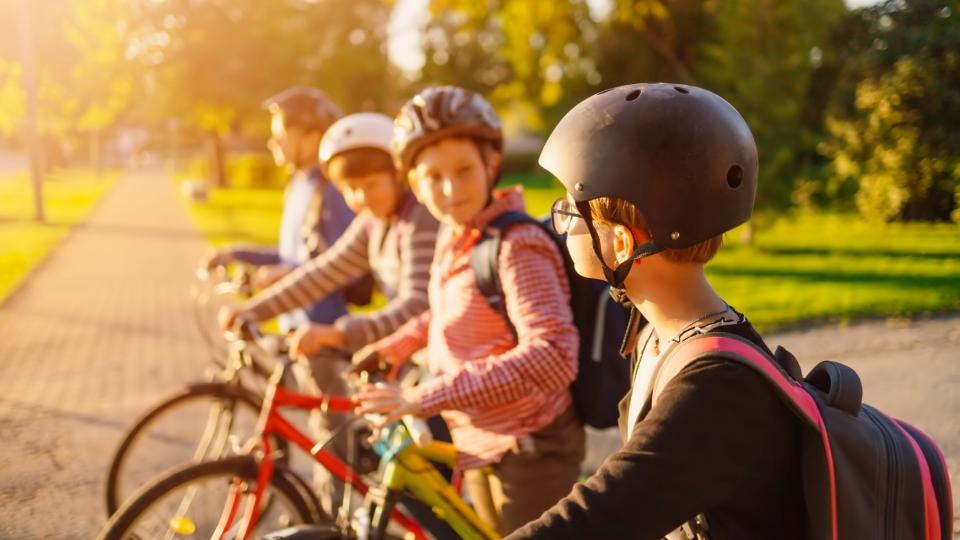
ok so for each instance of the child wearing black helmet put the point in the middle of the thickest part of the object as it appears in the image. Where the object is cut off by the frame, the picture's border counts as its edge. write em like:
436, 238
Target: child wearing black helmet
655, 174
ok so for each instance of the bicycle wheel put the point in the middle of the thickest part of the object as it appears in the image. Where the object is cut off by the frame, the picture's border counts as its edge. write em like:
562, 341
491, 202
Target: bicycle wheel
201, 500
193, 425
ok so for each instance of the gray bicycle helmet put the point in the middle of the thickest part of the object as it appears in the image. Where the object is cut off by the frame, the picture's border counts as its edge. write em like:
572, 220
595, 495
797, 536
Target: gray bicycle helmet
304, 106
683, 155
438, 112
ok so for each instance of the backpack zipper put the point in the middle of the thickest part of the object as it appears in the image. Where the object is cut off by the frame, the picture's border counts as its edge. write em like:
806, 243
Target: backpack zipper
893, 474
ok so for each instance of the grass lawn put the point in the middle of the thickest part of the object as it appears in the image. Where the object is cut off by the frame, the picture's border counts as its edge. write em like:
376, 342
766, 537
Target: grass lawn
800, 268
68, 198
240, 215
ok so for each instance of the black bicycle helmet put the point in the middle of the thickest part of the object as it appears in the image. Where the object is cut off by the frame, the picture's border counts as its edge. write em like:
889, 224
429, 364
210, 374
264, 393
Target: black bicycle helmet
304, 106
438, 112
683, 155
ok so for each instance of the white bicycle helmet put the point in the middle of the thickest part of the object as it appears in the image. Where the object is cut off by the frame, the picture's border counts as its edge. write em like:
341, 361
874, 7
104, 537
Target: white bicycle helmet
359, 130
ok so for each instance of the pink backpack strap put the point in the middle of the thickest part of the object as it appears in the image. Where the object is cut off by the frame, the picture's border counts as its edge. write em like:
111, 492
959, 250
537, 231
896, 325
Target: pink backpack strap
743, 351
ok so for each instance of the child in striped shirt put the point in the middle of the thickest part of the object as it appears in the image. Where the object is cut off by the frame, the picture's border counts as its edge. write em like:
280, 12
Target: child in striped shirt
504, 395
393, 237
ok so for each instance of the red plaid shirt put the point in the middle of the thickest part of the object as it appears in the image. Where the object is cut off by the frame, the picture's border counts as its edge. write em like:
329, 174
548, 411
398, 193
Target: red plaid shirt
490, 388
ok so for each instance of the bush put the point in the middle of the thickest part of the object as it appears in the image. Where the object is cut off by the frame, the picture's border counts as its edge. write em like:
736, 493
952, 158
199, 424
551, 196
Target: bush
243, 170
254, 170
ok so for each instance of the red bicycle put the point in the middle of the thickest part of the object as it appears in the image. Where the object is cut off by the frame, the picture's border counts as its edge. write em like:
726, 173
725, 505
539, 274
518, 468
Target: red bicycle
254, 493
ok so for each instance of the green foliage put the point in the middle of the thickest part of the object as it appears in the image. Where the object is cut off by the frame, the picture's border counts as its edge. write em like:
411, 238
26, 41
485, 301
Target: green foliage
254, 170
211, 64
766, 58
896, 135
526, 55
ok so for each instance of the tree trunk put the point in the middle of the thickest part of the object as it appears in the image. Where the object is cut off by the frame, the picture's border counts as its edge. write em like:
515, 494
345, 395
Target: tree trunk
218, 176
28, 57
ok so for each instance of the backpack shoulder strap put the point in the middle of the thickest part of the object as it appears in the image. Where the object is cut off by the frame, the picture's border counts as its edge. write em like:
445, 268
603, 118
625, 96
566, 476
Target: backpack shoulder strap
743, 351
791, 391
483, 260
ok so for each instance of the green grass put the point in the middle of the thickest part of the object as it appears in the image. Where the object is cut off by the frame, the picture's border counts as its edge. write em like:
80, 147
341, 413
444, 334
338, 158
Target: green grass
247, 215
804, 268
801, 268
68, 198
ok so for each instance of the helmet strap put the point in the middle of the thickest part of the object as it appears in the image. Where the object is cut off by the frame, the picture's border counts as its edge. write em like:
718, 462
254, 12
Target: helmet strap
615, 276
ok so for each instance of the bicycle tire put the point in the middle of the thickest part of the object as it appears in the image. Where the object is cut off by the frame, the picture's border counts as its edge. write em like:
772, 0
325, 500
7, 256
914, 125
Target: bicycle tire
229, 393
243, 467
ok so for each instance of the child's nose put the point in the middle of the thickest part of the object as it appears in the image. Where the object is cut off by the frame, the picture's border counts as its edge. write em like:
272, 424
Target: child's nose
447, 187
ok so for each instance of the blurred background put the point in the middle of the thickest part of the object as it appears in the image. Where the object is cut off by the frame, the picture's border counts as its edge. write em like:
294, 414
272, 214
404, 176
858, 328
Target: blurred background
854, 106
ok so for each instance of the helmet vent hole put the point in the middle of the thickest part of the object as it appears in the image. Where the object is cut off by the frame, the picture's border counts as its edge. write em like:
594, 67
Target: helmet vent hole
681, 89
735, 176
633, 95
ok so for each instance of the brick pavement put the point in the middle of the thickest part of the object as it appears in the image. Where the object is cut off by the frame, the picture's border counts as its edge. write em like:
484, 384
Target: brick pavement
96, 334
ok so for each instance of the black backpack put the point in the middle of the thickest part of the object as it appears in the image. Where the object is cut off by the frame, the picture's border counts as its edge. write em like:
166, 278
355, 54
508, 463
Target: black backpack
865, 474
603, 375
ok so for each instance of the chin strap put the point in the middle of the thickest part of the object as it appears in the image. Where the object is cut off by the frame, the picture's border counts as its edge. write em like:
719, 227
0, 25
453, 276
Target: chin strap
629, 343
616, 276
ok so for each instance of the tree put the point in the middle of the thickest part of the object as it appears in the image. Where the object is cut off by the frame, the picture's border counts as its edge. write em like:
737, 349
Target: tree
211, 63
525, 55
766, 57
83, 78
895, 132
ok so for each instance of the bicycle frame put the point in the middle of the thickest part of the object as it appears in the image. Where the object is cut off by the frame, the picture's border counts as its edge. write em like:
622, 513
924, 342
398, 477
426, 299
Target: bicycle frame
406, 468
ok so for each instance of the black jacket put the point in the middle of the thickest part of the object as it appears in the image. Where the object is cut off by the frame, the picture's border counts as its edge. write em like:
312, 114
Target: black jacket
719, 442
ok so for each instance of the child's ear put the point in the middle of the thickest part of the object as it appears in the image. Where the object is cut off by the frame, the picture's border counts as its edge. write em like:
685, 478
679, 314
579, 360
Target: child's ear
623, 243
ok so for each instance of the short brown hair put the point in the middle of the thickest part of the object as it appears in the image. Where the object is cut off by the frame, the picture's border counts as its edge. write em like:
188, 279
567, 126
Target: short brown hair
610, 210
360, 162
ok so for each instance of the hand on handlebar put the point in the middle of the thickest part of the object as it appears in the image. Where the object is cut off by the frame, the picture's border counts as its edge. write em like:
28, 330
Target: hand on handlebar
216, 258
309, 338
229, 316
389, 400
369, 361
269, 274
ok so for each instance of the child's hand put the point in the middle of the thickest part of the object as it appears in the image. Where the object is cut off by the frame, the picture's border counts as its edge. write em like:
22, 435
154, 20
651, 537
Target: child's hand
369, 360
389, 400
215, 258
228, 316
309, 338
270, 274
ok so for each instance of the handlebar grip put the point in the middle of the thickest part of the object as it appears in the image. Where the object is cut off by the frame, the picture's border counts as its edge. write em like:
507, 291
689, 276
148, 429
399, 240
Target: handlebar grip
418, 429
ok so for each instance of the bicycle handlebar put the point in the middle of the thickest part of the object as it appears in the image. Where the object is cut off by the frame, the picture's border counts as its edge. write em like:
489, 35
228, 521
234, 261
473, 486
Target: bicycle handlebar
418, 429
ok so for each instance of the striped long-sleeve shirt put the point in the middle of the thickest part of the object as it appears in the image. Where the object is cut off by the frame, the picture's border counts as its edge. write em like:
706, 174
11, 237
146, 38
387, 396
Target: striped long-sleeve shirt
398, 252
490, 388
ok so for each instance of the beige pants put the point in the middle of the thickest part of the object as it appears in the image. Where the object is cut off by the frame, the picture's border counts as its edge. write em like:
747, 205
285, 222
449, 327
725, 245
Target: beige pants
531, 478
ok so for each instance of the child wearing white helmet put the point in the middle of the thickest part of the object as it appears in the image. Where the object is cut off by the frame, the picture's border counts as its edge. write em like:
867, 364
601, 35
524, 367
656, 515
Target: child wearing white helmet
392, 238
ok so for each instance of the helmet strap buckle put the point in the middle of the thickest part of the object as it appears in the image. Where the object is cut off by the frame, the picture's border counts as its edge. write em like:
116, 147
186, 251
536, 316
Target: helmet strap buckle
615, 276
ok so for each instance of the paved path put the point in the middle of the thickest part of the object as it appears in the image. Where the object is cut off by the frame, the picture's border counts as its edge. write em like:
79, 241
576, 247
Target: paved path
103, 328
97, 333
